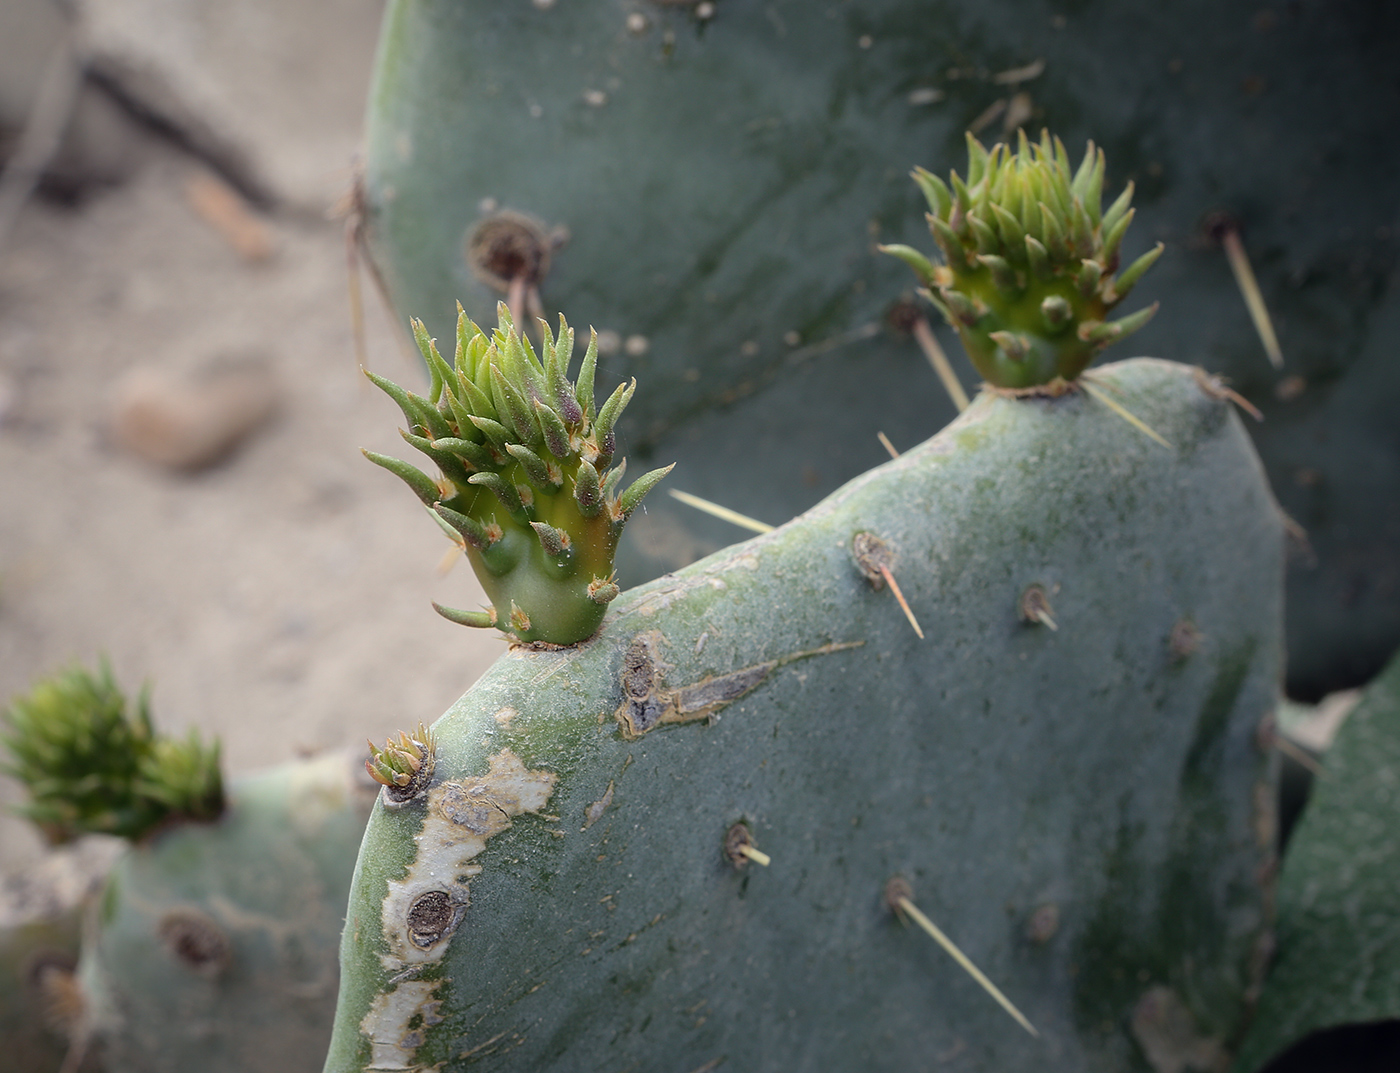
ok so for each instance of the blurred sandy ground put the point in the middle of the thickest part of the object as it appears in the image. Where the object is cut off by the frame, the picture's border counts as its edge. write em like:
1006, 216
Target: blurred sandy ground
279, 599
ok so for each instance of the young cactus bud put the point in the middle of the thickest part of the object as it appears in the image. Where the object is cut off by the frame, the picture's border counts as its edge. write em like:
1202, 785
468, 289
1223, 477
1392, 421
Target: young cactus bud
1029, 258
520, 448
404, 767
93, 767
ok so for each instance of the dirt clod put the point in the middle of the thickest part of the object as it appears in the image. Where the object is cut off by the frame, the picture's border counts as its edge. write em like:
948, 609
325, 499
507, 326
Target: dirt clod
189, 419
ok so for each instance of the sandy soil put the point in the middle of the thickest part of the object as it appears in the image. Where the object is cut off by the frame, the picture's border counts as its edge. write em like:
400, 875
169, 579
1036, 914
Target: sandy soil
279, 600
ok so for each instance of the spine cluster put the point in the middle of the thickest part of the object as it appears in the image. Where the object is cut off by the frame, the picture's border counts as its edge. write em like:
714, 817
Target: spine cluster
528, 483
1030, 266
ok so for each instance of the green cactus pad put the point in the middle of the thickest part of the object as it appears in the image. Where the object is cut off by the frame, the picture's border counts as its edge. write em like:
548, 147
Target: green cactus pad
528, 484
1084, 811
1031, 260
1338, 959
91, 766
212, 947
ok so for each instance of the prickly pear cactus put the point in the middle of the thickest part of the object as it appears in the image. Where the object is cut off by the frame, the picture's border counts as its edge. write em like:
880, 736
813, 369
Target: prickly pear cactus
528, 487
1031, 261
708, 191
696, 838
212, 947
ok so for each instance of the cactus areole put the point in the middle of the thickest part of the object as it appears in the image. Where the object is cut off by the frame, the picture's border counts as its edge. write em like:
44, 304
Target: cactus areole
1030, 270
528, 487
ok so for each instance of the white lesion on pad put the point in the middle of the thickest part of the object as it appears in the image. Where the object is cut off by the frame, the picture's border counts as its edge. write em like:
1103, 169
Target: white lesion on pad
462, 814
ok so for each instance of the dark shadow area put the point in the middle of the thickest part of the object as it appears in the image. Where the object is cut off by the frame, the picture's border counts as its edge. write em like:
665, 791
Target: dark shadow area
1368, 1048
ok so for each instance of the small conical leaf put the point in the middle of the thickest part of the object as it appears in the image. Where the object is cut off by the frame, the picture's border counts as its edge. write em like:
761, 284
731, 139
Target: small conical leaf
431, 357
556, 435
471, 530
607, 417
613, 479
473, 454
1114, 239
948, 242
479, 619
602, 591
963, 309
986, 238
1119, 207
1002, 273
477, 400
1128, 278
923, 268
1013, 345
555, 542
515, 413
417, 411
1012, 235
506, 492
1053, 233
451, 466
1056, 312
424, 487
1087, 278
532, 464
640, 487
977, 160
494, 431
583, 388
588, 492
1038, 258
935, 190
1127, 325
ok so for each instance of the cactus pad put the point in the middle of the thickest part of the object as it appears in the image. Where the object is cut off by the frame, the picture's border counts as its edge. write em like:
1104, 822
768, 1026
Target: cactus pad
213, 945
1084, 811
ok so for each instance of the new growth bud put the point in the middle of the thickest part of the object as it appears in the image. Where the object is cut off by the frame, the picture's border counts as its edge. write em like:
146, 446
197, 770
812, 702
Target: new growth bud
404, 767
92, 766
1031, 260
527, 475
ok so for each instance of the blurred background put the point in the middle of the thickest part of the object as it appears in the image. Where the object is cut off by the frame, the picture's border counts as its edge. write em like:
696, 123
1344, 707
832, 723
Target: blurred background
181, 489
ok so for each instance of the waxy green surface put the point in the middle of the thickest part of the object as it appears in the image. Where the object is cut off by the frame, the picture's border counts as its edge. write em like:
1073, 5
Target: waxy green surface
999, 766
212, 947
724, 183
